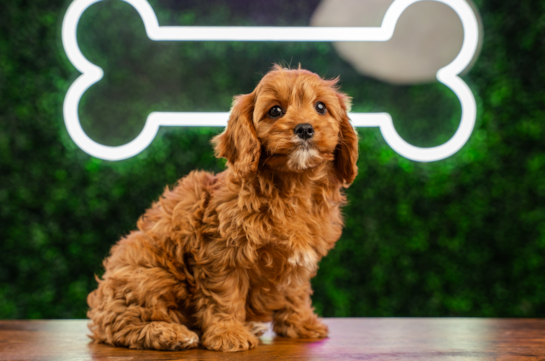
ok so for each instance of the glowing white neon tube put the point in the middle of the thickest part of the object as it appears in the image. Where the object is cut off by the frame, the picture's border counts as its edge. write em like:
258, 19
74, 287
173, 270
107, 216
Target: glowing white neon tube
91, 74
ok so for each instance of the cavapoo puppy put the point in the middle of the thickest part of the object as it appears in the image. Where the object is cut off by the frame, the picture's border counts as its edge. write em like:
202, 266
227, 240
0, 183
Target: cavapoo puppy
218, 255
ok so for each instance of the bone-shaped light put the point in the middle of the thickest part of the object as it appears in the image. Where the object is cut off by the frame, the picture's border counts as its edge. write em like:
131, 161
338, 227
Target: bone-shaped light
91, 74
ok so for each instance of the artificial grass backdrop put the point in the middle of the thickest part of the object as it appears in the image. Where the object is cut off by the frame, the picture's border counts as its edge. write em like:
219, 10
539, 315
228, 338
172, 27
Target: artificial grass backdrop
461, 237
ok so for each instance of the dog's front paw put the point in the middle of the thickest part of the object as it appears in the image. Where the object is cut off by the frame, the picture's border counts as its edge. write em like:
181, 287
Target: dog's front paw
310, 328
229, 339
257, 328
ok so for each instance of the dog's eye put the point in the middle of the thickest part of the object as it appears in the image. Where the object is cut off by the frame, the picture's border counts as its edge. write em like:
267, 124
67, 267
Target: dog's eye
275, 111
320, 108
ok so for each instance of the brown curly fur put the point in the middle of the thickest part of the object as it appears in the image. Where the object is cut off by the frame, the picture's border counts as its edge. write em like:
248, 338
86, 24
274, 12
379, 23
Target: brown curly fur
217, 255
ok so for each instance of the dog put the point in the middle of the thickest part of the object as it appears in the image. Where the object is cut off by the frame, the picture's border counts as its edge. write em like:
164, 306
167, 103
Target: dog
218, 256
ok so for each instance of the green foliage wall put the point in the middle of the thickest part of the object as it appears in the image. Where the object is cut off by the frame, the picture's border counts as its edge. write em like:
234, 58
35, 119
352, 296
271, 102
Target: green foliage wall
460, 237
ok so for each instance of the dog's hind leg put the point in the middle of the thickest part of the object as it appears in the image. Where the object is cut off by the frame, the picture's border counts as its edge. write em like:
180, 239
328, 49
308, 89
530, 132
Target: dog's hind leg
140, 301
158, 335
137, 327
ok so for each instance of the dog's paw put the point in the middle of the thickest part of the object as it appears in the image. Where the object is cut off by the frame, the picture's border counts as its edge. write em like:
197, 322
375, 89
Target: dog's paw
229, 339
183, 342
310, 328
257, 328
167, 336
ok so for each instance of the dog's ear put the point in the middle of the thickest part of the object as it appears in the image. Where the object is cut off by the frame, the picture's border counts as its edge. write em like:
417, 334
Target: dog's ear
239, 143
346, 153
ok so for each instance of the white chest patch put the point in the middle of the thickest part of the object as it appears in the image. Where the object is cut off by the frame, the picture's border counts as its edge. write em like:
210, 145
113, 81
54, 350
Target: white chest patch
306, 258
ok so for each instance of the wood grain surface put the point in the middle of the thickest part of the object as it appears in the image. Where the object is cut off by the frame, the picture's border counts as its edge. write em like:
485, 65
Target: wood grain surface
350, 339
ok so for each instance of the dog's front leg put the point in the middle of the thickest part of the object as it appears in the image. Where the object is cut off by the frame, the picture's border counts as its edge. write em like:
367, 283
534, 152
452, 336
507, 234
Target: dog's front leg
221, 310
297, 318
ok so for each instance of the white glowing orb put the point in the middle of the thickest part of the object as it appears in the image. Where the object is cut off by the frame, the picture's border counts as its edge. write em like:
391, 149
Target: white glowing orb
91, 74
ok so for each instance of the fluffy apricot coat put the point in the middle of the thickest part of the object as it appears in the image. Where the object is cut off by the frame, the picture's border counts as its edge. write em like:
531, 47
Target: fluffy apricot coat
218, 255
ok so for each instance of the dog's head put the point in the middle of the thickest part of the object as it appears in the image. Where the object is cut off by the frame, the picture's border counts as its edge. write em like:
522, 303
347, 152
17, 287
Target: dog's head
293, 121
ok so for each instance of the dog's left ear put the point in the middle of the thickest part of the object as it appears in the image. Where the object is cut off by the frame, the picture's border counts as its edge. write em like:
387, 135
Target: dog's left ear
239, 143
346, 153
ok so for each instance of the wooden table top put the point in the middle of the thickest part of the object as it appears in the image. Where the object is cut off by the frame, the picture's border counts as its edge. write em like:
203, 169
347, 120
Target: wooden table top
350, 339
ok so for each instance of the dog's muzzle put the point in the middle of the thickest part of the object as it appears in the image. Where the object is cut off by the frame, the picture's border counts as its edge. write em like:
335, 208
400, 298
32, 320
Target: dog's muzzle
304, 131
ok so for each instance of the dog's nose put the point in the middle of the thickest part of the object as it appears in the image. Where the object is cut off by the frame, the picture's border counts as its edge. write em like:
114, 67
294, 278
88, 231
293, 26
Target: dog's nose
304, 131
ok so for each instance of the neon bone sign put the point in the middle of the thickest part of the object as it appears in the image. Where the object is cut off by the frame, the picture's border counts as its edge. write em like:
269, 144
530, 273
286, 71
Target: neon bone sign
91, 74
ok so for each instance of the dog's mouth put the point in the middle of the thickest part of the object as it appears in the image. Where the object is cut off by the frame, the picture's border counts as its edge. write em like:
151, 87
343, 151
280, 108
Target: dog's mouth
295, 155
304, 156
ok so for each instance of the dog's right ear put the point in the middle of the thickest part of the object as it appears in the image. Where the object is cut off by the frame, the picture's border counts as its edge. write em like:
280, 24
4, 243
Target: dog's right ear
239, 143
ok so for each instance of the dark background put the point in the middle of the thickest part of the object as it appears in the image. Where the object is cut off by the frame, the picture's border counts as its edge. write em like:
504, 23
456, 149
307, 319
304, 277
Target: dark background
463, 236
